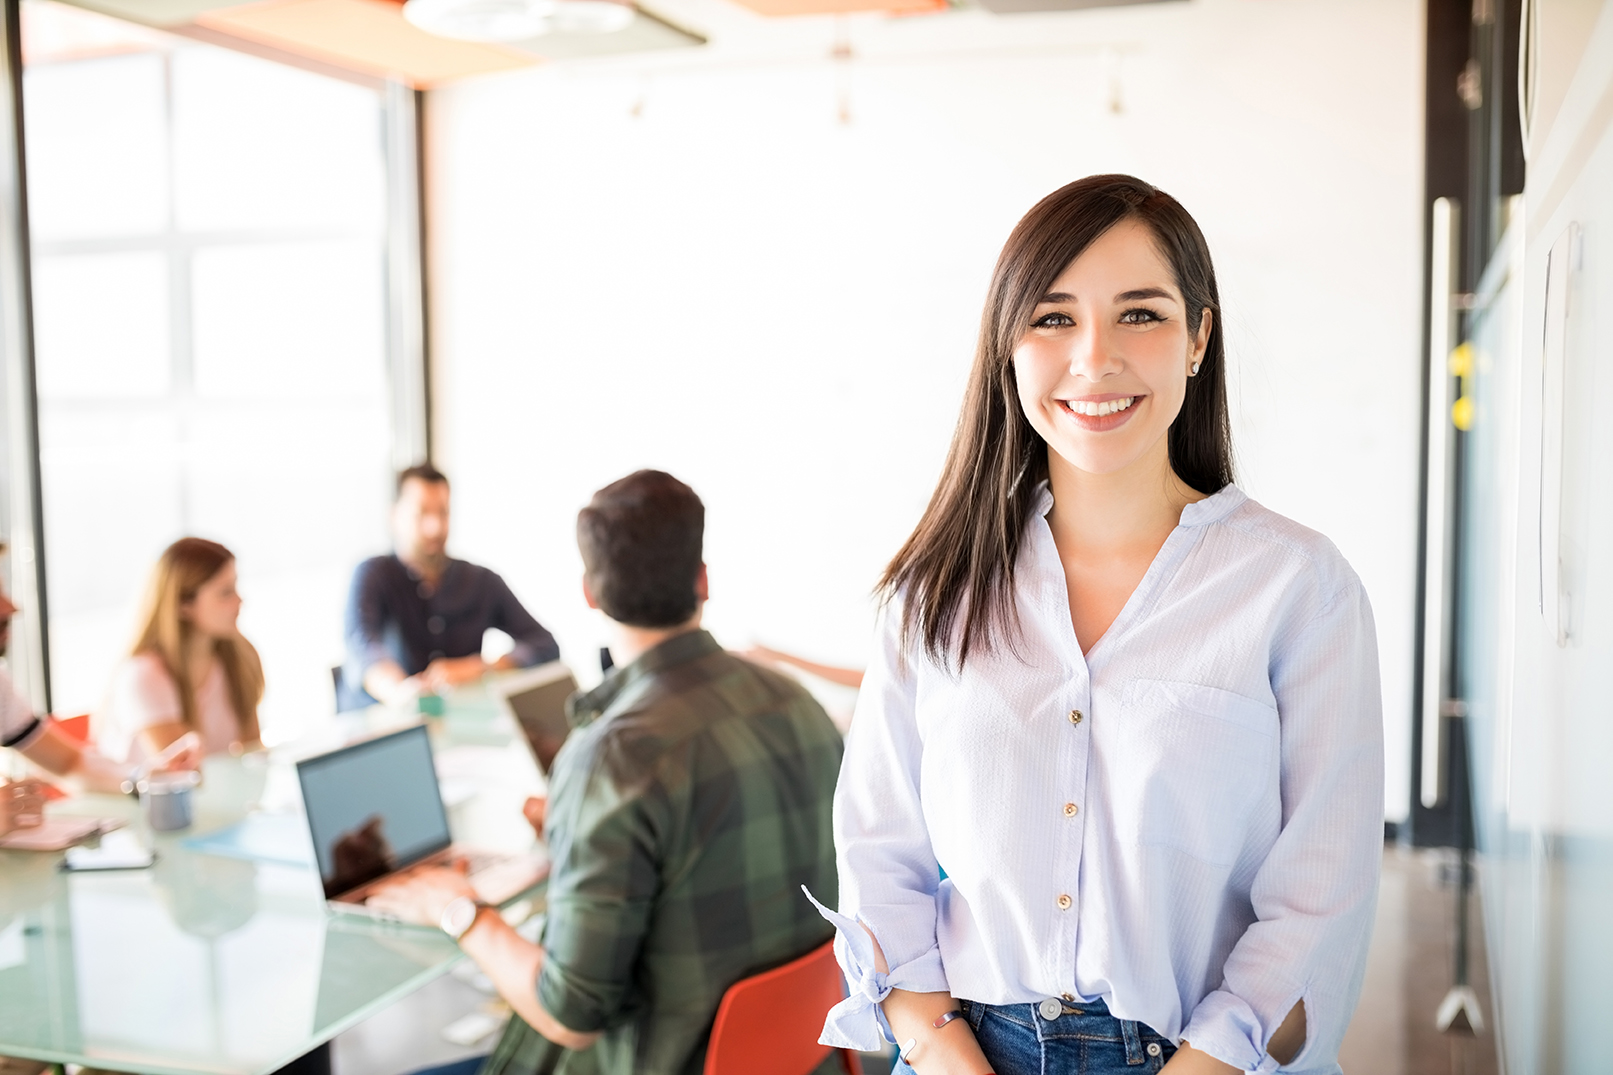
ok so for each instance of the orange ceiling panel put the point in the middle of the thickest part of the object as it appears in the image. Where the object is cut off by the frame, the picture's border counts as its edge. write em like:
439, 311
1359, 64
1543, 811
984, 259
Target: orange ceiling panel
370, 36
843, 7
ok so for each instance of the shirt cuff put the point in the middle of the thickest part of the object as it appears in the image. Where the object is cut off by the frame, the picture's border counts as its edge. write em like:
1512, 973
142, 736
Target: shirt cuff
25, 736
576, 1003
1225, 1026
858, 1022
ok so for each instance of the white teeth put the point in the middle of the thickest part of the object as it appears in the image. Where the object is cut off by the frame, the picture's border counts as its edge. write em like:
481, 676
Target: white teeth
1099, 410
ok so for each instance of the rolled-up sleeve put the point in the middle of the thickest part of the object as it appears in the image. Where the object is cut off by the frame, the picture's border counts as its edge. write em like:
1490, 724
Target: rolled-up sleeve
1314, 895
19, 727
888, 870
533, 642
603, 884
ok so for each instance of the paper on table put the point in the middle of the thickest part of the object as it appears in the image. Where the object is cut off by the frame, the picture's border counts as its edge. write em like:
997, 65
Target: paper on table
58, 833
278, 838
470, 1029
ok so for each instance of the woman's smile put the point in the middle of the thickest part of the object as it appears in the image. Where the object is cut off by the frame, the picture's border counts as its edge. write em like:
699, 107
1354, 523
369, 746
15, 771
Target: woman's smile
1099, 414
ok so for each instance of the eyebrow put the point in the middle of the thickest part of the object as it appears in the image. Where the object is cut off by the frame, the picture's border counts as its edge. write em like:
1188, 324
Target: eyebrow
1055, 297
1144, 293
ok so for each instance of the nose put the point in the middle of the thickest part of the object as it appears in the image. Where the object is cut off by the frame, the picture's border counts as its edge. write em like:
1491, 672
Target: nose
1092, 355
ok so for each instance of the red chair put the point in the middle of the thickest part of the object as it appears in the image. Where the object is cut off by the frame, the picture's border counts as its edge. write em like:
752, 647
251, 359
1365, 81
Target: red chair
75, 728
768, 1024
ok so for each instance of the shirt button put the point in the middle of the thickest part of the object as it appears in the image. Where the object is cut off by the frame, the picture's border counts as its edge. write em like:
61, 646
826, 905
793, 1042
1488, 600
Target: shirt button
1075, 716
436, 625
1070, 809
1153, 1048
1051, 1009
1064, 902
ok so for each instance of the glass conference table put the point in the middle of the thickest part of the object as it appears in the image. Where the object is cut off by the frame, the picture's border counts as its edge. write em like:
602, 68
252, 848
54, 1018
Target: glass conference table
222, 958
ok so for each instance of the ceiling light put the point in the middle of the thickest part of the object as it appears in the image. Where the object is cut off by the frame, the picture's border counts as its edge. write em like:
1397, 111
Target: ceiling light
516, 20
481, 20
590, 17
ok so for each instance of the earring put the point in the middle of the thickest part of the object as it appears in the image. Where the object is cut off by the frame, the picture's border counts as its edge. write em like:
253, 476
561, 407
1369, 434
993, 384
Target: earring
1195, 372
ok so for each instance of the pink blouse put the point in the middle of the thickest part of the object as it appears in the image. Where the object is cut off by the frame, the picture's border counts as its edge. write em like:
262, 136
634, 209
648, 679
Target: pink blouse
145, 695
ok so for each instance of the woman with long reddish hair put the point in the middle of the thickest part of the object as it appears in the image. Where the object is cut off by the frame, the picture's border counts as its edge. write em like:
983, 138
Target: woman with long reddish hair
189, 669
1112, 800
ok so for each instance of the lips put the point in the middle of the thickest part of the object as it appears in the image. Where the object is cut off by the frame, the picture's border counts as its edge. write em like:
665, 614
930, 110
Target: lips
1100, 415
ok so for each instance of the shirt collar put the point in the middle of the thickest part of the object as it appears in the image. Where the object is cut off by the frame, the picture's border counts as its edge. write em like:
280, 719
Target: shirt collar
1044, 498
585, 707
415, 576
1212, 509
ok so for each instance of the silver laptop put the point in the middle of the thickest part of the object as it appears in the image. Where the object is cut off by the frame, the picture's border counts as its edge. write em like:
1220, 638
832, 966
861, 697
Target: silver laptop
374, 812
536, 699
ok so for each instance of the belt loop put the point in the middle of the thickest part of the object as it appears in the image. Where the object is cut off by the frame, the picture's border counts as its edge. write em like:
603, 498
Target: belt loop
975, 1013
1133, 1040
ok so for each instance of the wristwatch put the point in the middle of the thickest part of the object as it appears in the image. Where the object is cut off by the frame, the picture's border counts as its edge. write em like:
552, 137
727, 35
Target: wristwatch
460, 915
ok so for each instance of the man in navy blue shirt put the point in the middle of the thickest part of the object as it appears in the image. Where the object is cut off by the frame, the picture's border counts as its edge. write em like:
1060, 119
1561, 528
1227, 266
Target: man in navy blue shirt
415, 619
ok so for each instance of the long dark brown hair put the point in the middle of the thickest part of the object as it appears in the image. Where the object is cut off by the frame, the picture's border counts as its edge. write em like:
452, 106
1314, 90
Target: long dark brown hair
955, 573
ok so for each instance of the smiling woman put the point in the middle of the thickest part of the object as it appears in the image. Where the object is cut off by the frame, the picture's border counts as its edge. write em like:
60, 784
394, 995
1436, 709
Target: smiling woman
1113, 793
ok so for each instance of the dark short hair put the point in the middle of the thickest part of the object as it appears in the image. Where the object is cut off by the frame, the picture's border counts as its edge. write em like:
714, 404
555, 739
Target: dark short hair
640, 539
423, 472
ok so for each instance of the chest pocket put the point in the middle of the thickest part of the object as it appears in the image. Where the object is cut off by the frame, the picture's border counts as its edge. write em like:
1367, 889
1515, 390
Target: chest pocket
1192, 762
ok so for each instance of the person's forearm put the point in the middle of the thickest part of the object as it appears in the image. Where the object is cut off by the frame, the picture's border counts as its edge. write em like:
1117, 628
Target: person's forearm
948, 1050
846, 677
382, 679
97, 773
53, 751
159, 737
512, 963
944, 1051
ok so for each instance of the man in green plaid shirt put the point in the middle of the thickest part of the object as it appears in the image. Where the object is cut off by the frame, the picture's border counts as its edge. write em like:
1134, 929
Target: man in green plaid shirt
687, 808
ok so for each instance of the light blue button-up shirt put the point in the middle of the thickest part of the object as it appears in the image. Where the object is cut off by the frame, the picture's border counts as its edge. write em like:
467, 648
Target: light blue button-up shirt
1186, 822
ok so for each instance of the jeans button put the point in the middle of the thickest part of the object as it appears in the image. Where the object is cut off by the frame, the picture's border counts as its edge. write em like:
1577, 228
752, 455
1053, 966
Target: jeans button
1153, 1048
1051, 1009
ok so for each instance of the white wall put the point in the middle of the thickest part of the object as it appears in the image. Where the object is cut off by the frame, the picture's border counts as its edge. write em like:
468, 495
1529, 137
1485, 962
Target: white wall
689, 261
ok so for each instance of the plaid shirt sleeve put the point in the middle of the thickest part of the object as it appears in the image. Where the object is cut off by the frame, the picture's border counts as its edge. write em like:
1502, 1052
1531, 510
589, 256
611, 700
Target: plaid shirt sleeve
603, 884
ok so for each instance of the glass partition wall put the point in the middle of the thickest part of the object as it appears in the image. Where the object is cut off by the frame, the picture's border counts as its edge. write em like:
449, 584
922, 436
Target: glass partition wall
214, 348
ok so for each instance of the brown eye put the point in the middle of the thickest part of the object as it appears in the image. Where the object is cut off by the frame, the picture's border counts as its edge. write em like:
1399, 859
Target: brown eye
1054, 320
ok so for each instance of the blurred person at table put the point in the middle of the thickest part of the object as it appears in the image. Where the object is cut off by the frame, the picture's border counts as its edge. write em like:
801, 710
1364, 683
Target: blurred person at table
190, 669
43, 742
831, 673
415, 618
689, 804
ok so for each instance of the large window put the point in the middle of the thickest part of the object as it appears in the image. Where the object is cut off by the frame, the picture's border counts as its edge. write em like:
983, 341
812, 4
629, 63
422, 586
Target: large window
211, 326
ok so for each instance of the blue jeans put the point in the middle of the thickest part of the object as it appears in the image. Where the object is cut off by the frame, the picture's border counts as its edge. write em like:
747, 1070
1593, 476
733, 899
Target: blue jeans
1084, 1039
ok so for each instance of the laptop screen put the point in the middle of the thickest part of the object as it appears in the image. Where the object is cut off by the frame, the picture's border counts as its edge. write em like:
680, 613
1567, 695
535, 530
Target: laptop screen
541, 711
373, 808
